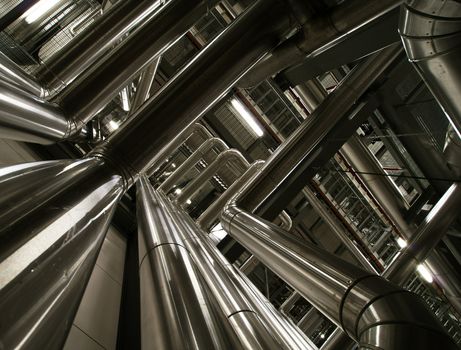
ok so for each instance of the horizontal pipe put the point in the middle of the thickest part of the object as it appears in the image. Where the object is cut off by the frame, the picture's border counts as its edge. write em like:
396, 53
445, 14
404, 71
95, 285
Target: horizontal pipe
94, 42
319, 34
189, 163
47, 256
176, 311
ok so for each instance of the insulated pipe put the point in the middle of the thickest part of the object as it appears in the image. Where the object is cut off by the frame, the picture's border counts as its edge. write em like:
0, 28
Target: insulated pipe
237, 300
371, 310
211, 214
431, 35
176, 311
93, 89
146, 80
371, 173
221, 161
95, 41
429, 233
299, 150
196, 87
47, 256
189, 163
319, 34
12, 73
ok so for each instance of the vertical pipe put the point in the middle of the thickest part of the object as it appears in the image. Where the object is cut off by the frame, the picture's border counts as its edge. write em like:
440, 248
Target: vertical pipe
47, 256
176, 312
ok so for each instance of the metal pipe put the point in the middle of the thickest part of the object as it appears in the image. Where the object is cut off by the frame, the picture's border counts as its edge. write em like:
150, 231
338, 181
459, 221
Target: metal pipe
146, 79
189, 163
338, 341
14, 13
93, 89
211, 214
286, 221
319, 34
14, 74
97, 39
431, 35
268, 330
47, 256
371, 310
221, 161
428, 235
176, 311
196, 87
452, 151
299, 150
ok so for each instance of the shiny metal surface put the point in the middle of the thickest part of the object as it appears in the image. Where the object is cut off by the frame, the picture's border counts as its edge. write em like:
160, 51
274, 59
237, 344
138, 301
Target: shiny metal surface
96, 41
25, 117
452, 151
431, 34
176, 312
358, 301
93, 89
211, 214
197, 87
299, 150
318, 34
207, 146
14, 74
338, 340
52, 250
224, 159
146, 79
428, 235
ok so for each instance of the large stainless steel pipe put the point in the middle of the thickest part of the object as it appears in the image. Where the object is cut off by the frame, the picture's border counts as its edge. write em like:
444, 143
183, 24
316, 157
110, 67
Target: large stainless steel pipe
222, 160
176, 311
197, 87
258, 326
97, 39
319, 34
189, 163
431, 34
47, 256
12, 73
371, 310
428, 235
300, 149
93, 89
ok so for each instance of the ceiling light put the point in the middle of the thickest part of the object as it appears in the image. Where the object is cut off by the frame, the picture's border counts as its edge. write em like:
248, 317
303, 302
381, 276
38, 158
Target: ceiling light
425, 273
39, 9
114, 125
247, 117
177, 191
188, 202
402, 243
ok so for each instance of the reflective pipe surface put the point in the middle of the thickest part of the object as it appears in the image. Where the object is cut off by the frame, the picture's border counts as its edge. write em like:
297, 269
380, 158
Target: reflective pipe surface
93, 89
197, 86
222, 160
431, 34
428, 235
318, 34
189, 163
146, 79
95, 41
211, 214
371, 310
14, 74
299, 150
47, 256
176, 312
262, 330
338, 341
25, 117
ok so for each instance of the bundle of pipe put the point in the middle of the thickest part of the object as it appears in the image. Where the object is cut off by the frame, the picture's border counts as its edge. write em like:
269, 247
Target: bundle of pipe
431, 34
53, 247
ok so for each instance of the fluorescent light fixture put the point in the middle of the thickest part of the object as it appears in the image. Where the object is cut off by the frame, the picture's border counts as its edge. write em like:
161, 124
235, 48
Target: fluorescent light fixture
125, 100
402, 243
425, 273
39, 9
114, 125
247, 117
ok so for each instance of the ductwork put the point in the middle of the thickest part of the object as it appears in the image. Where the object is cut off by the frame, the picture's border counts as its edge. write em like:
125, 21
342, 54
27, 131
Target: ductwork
317, 35
431, 34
